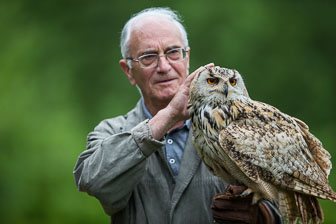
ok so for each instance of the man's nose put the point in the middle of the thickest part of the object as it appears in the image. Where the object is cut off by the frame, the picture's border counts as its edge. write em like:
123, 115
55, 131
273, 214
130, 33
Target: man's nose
163, 64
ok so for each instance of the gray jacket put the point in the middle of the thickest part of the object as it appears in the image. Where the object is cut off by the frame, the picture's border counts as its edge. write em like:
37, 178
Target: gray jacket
126, 170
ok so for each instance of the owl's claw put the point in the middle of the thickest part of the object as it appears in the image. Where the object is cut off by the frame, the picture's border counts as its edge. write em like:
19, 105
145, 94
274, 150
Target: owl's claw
247, 192
256, 197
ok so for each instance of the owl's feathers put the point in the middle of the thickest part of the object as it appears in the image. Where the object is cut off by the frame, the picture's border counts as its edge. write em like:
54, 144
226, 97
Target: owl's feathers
251, 142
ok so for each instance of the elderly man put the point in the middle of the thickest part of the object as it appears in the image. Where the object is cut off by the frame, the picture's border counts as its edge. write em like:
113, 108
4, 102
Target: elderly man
142, 166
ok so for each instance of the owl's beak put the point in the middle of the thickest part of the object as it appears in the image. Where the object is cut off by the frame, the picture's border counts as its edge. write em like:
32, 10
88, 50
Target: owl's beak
226, 89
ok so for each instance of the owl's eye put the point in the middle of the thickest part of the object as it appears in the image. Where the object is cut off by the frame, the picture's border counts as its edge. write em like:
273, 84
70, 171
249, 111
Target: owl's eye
212, 81
233, 81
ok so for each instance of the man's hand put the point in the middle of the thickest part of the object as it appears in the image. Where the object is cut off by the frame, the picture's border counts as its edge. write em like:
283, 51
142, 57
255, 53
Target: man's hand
176, 112
230, 207
178, 105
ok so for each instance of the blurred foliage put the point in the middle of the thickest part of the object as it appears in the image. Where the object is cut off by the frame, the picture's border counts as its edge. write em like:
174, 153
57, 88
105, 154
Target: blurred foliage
60, 76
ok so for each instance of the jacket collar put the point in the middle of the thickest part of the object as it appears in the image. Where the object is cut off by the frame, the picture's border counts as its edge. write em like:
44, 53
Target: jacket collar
136, 115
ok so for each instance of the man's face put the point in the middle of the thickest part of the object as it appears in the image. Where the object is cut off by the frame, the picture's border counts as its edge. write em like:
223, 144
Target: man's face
155, 35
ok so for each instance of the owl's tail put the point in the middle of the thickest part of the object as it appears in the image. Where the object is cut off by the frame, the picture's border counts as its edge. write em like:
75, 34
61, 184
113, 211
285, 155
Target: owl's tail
293, 205
287, 207
309, 208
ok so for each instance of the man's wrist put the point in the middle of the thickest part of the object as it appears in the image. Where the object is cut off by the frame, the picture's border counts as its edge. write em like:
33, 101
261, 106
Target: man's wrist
161, 123
144, 138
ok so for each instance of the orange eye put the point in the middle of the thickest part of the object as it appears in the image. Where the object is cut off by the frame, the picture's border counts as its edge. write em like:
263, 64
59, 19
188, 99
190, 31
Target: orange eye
233, 82
212, 81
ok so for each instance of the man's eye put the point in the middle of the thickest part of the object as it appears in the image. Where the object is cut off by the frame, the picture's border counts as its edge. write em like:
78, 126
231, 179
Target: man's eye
148, 59
212, 81
174, 54
173, 51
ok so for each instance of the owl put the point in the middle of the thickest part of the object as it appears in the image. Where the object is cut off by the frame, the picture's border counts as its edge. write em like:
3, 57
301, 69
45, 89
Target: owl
252, 143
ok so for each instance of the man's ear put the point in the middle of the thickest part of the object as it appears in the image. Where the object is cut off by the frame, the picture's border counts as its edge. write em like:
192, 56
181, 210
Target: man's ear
186, 60
126, 69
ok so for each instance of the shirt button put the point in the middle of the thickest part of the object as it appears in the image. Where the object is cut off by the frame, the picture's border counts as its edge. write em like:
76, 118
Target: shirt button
172, 161
170, 141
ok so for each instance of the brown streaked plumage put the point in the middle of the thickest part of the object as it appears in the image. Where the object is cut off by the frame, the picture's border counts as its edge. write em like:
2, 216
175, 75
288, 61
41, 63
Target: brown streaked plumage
251, 142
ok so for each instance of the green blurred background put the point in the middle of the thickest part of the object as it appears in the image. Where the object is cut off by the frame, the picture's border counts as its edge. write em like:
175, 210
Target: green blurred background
60, 76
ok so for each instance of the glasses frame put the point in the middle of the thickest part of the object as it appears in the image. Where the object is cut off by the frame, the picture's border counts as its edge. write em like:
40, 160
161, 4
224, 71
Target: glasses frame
184, 56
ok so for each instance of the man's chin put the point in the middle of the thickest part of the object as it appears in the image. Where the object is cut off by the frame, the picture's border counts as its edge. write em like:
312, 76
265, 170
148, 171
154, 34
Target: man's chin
166, 96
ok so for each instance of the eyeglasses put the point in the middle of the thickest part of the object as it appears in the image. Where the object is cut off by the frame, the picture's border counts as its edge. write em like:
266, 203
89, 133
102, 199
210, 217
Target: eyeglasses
152, 60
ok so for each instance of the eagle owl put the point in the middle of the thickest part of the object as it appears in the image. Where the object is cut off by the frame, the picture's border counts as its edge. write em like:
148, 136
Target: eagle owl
251, 142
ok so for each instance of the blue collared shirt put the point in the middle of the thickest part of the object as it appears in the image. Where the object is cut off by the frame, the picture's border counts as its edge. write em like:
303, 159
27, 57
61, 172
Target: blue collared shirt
175, 143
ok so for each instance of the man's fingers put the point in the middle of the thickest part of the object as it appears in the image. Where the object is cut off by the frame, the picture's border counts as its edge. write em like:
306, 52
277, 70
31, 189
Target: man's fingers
210, 65
200, 69
196, 72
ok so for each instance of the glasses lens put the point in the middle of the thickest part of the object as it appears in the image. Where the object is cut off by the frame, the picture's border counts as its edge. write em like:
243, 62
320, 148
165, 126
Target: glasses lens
173, 55
148, 60
177, 54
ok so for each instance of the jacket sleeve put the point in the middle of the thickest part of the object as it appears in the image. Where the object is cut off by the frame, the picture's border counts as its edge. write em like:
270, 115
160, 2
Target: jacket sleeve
114, 163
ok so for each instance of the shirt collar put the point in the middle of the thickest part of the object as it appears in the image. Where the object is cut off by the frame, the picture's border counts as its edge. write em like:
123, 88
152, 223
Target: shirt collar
146, 112
149, 116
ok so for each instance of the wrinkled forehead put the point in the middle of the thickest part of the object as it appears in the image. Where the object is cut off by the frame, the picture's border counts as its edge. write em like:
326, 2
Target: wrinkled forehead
154, 27
154, 32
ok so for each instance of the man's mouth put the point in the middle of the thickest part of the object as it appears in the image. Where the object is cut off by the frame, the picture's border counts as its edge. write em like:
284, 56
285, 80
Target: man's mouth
165, 81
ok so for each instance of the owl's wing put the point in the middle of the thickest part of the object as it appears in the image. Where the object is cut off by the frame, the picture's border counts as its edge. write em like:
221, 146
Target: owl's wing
321, 156
273, 150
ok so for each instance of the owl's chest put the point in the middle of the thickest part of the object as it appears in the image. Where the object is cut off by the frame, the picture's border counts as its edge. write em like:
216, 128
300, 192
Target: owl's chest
206, 122
214, 156
205, 143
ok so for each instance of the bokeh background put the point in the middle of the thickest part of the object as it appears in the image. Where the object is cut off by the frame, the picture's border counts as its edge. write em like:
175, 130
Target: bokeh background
60, 76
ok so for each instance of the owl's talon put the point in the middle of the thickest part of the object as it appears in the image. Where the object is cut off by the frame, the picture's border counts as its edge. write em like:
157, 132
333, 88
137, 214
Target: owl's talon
246, 193
255, 198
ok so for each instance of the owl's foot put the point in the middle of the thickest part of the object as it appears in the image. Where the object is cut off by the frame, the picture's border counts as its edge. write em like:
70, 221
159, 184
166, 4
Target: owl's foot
247, 192
255, 198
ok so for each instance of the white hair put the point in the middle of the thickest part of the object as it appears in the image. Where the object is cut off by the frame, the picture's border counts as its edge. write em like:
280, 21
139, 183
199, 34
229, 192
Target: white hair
159, 12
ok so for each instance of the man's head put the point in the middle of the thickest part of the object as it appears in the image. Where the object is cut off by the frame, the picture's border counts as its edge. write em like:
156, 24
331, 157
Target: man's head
155, 31
156, 12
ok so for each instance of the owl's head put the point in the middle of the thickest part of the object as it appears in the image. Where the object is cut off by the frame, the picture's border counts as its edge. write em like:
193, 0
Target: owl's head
218, 85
